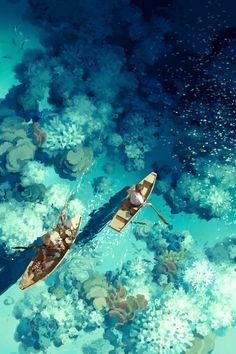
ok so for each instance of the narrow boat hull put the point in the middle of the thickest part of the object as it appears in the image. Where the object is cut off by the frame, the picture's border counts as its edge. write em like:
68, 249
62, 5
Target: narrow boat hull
45, 268
123, 216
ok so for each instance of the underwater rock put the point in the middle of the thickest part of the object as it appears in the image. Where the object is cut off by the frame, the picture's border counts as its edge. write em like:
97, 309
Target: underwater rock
73, 163
9, 301
19, 155
224, 251
108, 168
15, 147
167, 268
32, 193
102, 185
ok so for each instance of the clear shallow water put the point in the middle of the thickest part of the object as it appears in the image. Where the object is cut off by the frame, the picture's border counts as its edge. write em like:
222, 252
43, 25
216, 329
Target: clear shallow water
111, 251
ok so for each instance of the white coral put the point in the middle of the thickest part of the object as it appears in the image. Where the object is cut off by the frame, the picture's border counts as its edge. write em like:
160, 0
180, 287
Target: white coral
219, 200
57, 195
20, 224
161, 331
61, 135
200, 275
75, 206
33, 172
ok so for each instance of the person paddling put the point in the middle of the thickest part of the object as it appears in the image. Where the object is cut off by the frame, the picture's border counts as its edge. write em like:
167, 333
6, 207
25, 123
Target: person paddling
52, 245
136, 198
135, 195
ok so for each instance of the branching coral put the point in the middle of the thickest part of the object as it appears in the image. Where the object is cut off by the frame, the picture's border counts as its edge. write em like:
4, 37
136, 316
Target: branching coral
33, 172
200, 275
21, 225
61, 135
160, 330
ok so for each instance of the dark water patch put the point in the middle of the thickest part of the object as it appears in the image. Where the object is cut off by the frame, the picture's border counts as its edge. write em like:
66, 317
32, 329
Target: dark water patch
99, 218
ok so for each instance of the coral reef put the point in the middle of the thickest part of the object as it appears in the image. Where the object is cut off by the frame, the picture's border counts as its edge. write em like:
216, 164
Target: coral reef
200, 275
206, 191
165, 242
60, 306
162, 331
35, 192
114, 298
73, 163
16, 149
31, 210
123, 308
60, 135
96, 288
127, 84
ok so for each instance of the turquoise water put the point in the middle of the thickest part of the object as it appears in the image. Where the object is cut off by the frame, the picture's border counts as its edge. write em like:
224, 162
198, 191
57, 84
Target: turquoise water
99, 95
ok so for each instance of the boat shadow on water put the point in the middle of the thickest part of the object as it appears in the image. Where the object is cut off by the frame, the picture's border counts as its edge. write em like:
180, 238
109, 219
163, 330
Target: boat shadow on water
11, 269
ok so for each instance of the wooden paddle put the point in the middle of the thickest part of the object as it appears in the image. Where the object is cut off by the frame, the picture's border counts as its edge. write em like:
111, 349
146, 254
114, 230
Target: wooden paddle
26, 248
32, 248
159, 215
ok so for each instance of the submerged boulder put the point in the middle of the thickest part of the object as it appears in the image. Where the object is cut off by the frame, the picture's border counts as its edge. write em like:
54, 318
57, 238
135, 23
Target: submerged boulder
73, 163
32, 193
18, 155
16, 149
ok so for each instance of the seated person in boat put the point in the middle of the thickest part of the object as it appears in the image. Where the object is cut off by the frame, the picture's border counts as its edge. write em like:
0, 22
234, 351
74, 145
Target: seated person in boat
135, 195
52, 245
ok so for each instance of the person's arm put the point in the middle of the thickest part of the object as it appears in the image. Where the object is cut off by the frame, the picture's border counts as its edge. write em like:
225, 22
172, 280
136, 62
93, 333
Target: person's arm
130, 189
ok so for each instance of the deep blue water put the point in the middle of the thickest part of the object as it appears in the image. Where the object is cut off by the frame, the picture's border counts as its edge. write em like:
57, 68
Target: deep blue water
94, 96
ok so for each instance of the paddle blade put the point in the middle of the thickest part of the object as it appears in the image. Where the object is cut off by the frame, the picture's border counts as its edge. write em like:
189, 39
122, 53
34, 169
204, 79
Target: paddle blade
159, 215
163, 219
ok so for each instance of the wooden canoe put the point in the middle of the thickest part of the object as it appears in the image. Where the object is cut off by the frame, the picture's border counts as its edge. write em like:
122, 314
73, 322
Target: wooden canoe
123, 216
39, 269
